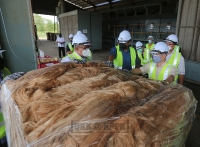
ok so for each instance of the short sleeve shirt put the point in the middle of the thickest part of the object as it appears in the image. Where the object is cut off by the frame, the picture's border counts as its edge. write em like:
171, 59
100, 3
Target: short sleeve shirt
146, 67
60, 39
181, 65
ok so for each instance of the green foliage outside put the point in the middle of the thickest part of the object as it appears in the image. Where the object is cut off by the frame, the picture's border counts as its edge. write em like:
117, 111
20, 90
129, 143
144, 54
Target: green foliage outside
44, 26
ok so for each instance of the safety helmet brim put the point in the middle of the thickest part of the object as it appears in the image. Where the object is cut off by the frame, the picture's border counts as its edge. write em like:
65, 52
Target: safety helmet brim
168, 40
160, 47
124, 36
80, 39
150, 37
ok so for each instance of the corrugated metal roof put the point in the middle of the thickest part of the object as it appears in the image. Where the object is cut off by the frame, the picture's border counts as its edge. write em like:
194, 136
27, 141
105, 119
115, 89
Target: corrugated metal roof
48, 6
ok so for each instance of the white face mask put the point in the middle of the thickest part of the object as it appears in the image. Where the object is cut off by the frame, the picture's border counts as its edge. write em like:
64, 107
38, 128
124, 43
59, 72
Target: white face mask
150, 41
169, 47
86, 52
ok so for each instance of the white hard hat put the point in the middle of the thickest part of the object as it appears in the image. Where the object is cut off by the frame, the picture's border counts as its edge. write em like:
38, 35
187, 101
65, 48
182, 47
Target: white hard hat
161, 47
138, 44
71, 36
172, 38
80, 39
79, 32
151, 37
124, 36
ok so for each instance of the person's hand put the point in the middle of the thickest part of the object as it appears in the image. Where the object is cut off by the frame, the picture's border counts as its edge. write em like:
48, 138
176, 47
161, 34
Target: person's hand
79, 61
109, 63
164, 82
145, 75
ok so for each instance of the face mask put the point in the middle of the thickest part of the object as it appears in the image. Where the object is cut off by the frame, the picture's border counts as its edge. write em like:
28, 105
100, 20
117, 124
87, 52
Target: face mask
86, 52
150, 41
140, 50
169, 47
122, 46
157, 58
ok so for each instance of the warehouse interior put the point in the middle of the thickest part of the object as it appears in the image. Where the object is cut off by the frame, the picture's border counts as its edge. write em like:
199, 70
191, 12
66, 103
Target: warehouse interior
102, 21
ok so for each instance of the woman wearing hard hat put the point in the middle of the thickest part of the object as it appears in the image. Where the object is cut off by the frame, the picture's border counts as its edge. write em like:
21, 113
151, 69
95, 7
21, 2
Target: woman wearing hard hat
174, 56
123, 56
81, 49
159, 69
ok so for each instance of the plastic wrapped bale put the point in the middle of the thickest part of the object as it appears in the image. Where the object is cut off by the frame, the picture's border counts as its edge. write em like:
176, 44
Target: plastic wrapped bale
93, 105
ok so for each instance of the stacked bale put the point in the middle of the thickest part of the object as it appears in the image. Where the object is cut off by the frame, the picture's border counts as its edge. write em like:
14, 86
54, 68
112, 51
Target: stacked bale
71, 104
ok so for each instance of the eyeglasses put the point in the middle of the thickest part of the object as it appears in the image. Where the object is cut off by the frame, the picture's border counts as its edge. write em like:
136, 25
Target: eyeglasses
156, 52
85, 46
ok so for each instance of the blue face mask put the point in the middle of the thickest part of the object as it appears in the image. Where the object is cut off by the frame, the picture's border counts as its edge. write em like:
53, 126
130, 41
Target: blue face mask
156, 58
140, 50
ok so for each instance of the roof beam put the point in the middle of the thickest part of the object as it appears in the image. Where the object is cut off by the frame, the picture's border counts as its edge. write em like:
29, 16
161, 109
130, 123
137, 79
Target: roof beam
92, 4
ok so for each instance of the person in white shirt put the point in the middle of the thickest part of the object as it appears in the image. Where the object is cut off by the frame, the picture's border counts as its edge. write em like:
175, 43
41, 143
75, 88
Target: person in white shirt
61, 45
81, 49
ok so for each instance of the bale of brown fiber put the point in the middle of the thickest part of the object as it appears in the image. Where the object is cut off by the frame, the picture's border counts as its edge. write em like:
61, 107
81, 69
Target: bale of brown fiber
92, 105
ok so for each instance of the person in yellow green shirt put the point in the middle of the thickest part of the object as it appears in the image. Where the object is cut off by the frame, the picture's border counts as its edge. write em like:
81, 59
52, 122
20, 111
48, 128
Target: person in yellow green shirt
159, 69
70, 48
148, 48
150, 45
140, 51
81, 52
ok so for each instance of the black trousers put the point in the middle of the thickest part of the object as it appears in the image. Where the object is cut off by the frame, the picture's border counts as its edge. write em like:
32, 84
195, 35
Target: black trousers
61, 49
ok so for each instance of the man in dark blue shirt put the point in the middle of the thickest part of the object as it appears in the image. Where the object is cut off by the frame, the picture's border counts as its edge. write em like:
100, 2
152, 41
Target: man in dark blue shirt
123, 55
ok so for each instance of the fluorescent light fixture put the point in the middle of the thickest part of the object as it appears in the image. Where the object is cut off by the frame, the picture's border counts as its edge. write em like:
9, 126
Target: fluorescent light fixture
151, 27
102, 4
88, 7
73, 3
116, 1
168, 27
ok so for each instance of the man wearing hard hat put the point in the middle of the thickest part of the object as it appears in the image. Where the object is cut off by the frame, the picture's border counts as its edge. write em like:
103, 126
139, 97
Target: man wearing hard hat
123, 56
70, 48
81, 49
149, 46
174, 57
159, 69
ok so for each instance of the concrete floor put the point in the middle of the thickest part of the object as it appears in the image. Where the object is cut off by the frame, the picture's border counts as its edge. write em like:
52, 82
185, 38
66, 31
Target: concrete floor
193, 140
